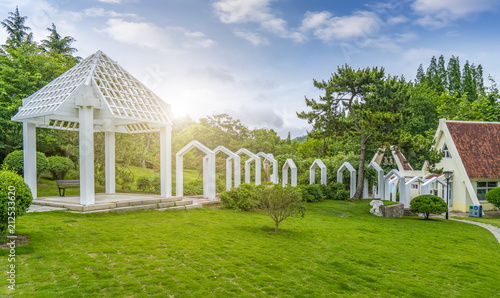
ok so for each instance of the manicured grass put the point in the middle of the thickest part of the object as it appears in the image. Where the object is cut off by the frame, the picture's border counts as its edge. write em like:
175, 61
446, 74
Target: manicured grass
494, 221
48, 187
337, 249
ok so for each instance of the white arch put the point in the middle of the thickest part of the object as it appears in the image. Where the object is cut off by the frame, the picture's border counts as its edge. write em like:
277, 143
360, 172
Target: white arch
229, 175
289, 164
312, 171
380, 181
408, 190
426, 187
270, 158
255, 158
208, 170
352, 171
399, 178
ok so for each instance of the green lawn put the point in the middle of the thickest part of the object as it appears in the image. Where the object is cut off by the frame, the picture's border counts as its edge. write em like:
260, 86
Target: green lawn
48, 187
337, 249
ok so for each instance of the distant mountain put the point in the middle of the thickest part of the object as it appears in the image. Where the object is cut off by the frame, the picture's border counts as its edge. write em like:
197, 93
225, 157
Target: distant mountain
300, 139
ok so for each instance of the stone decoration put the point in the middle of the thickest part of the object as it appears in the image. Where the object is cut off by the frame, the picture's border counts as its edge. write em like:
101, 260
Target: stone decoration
376, 207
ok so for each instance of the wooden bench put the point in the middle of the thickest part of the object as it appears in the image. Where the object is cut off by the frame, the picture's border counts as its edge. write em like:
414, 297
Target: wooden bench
63, 184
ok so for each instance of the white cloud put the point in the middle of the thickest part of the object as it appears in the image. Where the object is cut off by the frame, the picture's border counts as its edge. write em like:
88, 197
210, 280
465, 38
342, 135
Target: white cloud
112, 1
397, 20
326, 27
101, 12
252, 37
151, 36
440, 13
254, 11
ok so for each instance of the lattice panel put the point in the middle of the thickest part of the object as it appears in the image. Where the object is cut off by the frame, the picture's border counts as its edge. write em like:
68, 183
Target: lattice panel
63, 125
125, 95
140, 128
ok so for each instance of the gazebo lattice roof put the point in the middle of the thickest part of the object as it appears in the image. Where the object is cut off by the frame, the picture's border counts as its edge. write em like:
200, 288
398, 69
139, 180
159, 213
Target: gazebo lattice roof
119, 95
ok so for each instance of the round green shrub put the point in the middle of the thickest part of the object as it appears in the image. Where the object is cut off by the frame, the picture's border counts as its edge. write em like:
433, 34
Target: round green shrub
493, 196
12, 186
14, 161
428, 204
59, 166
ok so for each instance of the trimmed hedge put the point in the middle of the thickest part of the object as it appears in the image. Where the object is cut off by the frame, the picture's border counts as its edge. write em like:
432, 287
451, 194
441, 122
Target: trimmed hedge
59, 166
428, 204
13, 186
245, 197
493, 196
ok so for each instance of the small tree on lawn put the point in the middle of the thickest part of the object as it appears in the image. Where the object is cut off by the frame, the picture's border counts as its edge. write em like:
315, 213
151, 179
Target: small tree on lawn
282, 202
493, 196
428, 204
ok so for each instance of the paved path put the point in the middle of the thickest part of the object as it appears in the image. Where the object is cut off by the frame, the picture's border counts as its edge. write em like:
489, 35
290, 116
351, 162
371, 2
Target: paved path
494, 230
38, 208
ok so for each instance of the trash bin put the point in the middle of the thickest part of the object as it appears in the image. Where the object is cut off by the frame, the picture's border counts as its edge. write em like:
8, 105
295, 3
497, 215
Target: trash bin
475, 210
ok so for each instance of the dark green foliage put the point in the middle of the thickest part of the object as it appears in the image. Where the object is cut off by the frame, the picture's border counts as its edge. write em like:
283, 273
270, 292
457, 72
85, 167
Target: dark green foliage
59, 166
338, 191
428, 204
18, 32
282, 202
246, 197
493, 196
58, 44
125, 178
149, 184
312, 193
14, 161
12, 186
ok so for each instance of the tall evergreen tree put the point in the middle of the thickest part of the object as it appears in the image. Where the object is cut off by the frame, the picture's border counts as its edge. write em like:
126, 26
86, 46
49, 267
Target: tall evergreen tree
17, 31
420, 75
468, 82
56, 44
454, 76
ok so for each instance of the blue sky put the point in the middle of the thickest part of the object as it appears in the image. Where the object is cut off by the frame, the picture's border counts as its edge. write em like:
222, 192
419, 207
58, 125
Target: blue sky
255, 59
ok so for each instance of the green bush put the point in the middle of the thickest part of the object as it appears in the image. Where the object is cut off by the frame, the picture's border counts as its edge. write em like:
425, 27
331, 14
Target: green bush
14, 161
149, 184
245, 197
312, 193
337, 191
428, 204
59, 166
493, 196
12, 186
126, 178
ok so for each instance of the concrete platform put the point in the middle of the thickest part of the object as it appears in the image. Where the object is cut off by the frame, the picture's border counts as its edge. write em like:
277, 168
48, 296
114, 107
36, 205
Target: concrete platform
121, 202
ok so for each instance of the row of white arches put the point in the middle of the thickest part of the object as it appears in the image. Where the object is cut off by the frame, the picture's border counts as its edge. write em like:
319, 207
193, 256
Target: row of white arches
387, 184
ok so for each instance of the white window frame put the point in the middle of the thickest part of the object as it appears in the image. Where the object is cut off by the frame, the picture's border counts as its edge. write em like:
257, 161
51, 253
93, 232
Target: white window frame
446, 151
489, 186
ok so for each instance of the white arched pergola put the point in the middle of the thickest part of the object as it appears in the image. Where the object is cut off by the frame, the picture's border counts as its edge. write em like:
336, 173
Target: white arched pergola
426, 187
312, 171
352, 185
398, 179
253, 158
233, 158
96, 95
274, 162
408, 186
380, 181
208, 170
289, 164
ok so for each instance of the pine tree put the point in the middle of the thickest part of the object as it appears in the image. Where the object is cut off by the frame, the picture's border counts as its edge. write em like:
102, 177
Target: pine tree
440, 80
18, 32
420, 75
56, 44
468, 82
431, 72
454, 76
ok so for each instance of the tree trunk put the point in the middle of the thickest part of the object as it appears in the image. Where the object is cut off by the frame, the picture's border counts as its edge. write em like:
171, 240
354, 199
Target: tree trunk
361, 169
276, 227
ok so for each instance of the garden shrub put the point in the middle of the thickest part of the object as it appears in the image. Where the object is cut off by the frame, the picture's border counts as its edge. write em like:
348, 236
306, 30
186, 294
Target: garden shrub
149, 184
428, 204
126, 178
12, 185
281, 202
245, 197
337, 191
193, 188
493, 196
342, 195
14, 161
59, 166
312, 193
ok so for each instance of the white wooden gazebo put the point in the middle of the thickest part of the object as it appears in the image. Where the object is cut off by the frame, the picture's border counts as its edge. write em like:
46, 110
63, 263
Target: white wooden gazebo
96, 95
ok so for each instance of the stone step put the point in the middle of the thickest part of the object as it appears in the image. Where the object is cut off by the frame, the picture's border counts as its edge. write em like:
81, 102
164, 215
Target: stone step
134, 208
183, 203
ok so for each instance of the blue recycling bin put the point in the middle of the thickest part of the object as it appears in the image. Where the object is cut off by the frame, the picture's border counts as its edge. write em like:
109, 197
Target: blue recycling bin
475, 210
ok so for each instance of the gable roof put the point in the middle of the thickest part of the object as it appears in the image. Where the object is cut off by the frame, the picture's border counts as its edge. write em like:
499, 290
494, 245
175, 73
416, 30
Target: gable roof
478, 144
122, 94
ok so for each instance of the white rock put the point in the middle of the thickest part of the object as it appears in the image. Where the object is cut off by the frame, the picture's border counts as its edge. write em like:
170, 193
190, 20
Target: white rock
376, 207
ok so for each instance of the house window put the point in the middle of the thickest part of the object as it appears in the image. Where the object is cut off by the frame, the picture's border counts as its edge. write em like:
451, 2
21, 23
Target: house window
446, 151
414, 186
483, 188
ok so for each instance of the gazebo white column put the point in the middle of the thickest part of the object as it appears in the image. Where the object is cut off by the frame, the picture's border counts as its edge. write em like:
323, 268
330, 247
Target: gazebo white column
166, 160
29, 156
109, 161
86, 145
